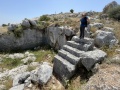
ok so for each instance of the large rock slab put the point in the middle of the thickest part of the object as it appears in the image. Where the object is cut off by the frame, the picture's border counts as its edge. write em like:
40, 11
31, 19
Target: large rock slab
104, 38
90, 58
29, 39
56, 37
43, 74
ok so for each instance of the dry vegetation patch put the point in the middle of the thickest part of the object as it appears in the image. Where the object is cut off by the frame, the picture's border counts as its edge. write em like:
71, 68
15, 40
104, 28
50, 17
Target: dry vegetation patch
3, 29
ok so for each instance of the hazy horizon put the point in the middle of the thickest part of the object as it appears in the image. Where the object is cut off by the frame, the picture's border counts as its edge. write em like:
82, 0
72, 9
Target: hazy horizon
14, 11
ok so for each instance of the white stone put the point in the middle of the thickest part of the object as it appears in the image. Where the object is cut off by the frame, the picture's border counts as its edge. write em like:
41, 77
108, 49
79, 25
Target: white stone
105, 38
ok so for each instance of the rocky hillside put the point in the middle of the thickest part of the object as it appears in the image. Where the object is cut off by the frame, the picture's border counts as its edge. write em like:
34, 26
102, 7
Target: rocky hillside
46, 53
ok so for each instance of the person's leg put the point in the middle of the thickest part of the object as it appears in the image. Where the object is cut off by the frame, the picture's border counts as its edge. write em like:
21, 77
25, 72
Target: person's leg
80, 32
83, 30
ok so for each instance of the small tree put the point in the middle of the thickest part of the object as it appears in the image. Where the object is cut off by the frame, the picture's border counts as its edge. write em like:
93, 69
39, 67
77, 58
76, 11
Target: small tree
114, 13
71, 10
4, 25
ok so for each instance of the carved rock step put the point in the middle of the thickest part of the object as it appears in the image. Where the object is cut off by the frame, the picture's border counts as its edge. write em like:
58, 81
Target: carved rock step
64, 69
69, 57
73, 51
81, 46
85, 40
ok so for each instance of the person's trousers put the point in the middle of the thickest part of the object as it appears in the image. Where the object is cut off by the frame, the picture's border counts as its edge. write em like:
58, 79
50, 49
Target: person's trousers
82, 29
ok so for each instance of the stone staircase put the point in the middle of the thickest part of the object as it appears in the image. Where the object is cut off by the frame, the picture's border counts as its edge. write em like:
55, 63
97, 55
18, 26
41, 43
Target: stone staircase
74, 53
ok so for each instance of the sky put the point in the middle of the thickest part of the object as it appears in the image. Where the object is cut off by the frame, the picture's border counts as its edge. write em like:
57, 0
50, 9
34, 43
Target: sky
14, 11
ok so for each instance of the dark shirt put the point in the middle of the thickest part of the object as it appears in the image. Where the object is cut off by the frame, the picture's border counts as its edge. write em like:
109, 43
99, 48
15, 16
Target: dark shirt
84, 22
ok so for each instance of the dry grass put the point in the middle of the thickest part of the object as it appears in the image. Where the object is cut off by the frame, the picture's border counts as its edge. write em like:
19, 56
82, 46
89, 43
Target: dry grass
7, 82
3, 29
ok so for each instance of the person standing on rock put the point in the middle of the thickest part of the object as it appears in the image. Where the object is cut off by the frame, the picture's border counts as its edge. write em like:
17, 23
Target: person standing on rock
84, 22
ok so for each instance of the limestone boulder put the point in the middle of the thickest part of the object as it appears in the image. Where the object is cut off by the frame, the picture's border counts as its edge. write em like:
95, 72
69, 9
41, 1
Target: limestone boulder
90, 58
109, 6
105, 38
98, 25
69, 32
56, 37
26, 23
43, 74
12, 27
33, 23
108, 29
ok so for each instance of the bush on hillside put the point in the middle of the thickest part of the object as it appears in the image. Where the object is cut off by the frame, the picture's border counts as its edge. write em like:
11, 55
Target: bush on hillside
44, 18
114, 13
41, 25
4, 25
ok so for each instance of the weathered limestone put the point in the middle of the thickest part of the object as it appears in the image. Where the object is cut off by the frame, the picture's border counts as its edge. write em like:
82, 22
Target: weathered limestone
28, 40
57, 36
75, 53
92, 57
20, 78
25, 23
105, 38
43, 74
98, 25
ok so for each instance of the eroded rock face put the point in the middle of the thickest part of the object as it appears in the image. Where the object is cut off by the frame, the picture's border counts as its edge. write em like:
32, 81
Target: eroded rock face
111, 5
57, 36
28, 40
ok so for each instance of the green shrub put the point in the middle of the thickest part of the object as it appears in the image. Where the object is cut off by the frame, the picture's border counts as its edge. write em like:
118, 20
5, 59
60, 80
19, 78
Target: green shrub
114, 13
71, 10
44, 18
4, 25
10, 63
18, 31
42, 25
